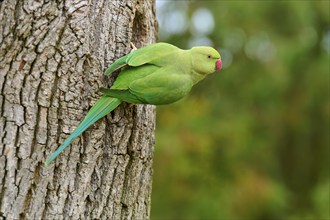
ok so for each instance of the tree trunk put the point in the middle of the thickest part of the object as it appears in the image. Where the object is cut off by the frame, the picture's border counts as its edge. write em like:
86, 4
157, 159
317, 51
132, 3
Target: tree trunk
52, 60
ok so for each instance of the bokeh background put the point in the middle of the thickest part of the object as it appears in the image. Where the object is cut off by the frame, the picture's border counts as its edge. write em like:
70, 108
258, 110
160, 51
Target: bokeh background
250, 142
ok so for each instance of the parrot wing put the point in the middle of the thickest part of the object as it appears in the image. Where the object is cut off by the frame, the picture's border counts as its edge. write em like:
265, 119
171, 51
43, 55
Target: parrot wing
118, 64
122, 94
149, 54
163, 86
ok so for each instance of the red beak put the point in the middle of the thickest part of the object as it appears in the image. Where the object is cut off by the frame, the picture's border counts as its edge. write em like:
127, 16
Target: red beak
218, 65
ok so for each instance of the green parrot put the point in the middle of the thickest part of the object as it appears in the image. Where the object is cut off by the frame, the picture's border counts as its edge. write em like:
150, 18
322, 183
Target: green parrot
157, 74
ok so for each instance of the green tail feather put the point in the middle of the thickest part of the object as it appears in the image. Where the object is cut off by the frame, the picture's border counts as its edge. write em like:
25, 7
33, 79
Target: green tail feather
101, 108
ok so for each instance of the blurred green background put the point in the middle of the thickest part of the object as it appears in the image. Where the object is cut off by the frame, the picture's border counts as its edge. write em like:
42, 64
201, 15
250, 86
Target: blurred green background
250, 142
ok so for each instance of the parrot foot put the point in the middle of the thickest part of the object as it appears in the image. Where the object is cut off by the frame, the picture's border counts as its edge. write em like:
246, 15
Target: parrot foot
133, 47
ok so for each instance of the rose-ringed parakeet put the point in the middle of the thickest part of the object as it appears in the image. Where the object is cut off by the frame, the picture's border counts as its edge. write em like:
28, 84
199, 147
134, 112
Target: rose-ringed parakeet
156, 74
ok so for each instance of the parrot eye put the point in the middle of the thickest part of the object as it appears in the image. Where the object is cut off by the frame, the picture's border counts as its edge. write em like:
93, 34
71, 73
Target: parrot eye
209, 56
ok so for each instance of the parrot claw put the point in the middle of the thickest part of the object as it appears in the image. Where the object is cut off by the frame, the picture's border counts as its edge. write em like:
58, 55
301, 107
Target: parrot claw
133, 47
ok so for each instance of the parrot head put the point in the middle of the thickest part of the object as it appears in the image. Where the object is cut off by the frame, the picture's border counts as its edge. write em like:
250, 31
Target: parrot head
205, 60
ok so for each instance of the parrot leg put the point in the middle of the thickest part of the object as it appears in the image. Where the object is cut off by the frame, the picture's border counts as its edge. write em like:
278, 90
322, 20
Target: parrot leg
133, 47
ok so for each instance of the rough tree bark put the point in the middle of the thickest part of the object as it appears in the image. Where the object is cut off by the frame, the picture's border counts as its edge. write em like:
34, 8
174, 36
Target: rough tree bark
52, 58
